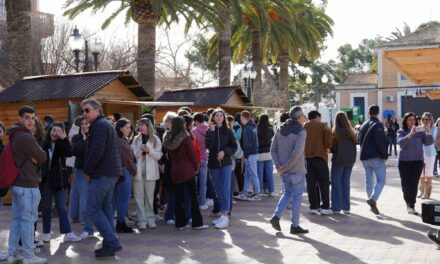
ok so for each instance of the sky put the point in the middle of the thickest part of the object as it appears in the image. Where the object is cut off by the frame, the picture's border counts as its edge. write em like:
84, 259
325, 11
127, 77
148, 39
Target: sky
354, 20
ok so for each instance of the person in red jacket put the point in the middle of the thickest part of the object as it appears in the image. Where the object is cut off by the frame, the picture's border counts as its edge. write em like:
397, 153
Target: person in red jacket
189, 126
184, 165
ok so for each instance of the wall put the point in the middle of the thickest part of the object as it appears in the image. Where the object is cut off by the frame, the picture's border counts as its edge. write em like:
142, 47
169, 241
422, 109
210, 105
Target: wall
116, 90
389, 74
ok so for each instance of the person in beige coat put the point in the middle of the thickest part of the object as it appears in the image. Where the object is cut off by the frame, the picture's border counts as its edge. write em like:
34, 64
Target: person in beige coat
148, 151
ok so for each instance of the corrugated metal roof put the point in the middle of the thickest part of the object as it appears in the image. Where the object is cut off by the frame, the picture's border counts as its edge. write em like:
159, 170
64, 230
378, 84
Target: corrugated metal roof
70, 86
204, 96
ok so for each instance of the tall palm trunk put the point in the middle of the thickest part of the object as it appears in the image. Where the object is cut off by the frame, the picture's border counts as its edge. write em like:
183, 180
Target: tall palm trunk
146, 57
19, 38
224, 52
284, 79
257, 62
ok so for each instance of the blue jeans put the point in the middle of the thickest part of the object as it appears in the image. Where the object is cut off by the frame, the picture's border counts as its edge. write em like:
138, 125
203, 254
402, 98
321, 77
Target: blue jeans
265, 169
78, 196
222, 183
100, 209
202, 178
25, 213
60, 203
340, 188
294, 185
251, 175
121, 196
376, 166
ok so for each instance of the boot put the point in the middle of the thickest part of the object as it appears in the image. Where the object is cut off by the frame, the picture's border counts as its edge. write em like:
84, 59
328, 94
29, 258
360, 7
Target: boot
428, 190
422, 187
122, 227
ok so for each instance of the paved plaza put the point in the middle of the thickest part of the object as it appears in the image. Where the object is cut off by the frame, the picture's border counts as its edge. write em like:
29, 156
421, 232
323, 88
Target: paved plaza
361, 237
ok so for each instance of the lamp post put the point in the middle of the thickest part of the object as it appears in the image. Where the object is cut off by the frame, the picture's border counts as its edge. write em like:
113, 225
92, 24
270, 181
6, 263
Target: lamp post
309, 81
76, 44
249, 75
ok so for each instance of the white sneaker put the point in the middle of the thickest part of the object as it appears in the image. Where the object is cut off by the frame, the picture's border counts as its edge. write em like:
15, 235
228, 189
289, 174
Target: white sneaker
202, 227
171, 222
313, 211
71, 237
142, 226
159, 218
14, 259
3, 256
85, 235
204, 207
34, 260
217, 220
326, 211
45, 237
223, 222
209, 202
151, 225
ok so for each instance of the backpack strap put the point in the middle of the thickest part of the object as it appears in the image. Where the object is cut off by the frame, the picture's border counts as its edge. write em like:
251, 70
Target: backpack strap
368, 133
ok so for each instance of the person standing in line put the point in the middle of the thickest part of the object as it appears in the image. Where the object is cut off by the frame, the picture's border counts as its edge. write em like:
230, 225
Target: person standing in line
265, 164
318, 145
183, 169
250, 150
392, 128
148, 151
239, 170
343, 159
199, 133
221, 143
373, 155
122, 192
288, 155
103, 167
437, 158
411, 139
429, 153
25, 192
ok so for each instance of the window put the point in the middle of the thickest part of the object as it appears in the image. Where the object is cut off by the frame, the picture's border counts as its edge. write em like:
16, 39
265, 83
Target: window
402, 78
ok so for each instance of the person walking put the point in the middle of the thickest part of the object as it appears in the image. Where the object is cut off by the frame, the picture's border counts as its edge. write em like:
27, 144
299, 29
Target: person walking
265, 164
429, 155
25, 192
287, 151
147, 149
55, 181
102, 167
411, 140
343, 159
184, 165
221, 143
122, 192
318, 145
392, 128
373, 155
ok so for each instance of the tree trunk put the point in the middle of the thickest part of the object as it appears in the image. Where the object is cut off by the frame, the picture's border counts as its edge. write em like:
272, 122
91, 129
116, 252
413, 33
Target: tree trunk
224, 52
257, 62
18, 19
146, 57
284, 80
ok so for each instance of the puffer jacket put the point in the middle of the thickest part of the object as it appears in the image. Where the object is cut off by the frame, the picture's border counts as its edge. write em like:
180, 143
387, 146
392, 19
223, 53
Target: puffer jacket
222, 139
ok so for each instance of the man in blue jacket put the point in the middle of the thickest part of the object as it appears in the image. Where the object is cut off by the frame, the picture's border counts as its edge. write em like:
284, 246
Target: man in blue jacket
102, 167
374, 153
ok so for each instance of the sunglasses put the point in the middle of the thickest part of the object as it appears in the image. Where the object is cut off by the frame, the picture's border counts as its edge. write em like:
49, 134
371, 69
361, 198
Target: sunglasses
425, 119
86, 110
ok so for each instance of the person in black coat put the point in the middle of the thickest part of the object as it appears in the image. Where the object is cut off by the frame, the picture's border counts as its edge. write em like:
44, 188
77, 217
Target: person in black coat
265, 164
55, 181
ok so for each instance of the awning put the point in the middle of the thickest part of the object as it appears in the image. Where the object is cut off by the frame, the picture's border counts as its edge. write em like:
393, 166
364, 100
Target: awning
147, 103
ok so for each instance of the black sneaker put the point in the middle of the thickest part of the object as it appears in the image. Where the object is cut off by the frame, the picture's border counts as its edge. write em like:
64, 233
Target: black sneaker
433, 237
372, 204
108, 251
122, 227
275, 221
298, 230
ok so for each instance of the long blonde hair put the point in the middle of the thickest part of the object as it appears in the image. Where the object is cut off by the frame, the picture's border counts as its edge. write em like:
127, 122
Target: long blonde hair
342, 129
151, 131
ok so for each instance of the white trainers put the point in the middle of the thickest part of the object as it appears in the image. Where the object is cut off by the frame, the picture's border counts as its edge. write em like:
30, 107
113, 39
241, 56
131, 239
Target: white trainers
3, 256
171, 222
71, 237
202, 227
223, 222
34, 260
14, 259
45, 237
159, 218
209, 202
151, 225
85, 235
313, 211
216, 220
204, 207
326, 211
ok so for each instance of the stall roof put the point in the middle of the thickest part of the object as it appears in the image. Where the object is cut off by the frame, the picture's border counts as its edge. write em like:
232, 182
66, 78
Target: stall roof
147, 103
68, 86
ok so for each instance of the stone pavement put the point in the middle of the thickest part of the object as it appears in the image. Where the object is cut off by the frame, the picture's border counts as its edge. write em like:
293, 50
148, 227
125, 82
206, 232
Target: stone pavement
361, 237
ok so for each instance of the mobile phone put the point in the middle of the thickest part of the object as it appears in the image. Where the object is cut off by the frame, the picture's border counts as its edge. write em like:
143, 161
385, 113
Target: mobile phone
420, 129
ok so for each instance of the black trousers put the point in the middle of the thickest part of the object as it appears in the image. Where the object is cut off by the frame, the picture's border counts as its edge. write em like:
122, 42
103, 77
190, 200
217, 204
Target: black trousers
410, 172
318, 183
179, 210
239, 174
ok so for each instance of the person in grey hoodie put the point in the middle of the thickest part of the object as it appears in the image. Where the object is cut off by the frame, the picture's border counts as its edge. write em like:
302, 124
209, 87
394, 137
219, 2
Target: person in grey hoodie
288, 156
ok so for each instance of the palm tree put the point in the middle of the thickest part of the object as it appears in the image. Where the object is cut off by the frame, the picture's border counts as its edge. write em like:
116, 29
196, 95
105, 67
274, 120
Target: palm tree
18, 16
148, 14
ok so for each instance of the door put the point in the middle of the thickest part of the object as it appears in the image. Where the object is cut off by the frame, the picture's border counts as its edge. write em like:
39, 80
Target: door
359, 107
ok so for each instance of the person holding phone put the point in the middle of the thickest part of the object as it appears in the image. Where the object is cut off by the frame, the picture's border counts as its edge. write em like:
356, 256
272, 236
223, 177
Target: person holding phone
429, 153
411, 140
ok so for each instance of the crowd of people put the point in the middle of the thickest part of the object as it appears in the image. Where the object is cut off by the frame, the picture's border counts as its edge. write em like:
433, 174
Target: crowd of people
193, 161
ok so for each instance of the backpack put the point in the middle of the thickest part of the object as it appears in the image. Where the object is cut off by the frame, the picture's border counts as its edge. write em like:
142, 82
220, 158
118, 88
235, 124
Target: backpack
8, 169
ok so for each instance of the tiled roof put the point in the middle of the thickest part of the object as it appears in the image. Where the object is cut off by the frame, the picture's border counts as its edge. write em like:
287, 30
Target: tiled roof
204, 96
360, 79
70, 86
428, 35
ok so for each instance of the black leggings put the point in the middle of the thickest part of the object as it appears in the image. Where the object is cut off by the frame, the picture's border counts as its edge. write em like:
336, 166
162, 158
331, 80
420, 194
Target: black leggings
410, 172
179, 210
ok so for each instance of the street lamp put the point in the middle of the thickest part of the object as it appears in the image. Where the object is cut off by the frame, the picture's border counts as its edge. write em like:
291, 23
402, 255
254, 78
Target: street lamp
77, 42
249, 75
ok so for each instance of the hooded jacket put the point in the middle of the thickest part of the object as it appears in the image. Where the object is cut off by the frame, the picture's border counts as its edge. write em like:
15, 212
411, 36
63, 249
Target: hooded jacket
25, 148
222, 139
288, 147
